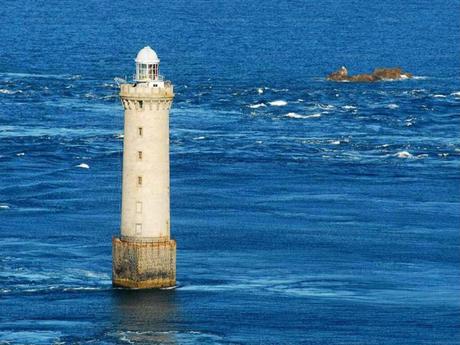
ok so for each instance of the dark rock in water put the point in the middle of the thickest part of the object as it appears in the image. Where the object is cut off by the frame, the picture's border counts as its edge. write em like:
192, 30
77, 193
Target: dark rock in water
341, 74
390, 73
378, 74
362, 78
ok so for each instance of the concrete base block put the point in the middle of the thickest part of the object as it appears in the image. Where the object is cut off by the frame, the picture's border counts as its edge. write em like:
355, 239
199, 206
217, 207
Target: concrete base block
143, 265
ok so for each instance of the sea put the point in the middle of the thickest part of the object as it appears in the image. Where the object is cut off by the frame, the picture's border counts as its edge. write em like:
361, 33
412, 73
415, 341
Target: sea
305, 211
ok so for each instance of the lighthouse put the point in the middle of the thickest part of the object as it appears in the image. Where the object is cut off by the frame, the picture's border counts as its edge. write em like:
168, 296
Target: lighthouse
144, 255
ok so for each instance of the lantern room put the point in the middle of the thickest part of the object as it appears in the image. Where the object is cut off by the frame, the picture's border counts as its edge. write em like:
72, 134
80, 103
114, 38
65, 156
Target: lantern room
147, 63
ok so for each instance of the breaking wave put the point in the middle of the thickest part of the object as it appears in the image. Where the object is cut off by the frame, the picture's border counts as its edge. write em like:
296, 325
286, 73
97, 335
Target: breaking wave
299, 116
404, 154
278, 103
9, 92
258, 105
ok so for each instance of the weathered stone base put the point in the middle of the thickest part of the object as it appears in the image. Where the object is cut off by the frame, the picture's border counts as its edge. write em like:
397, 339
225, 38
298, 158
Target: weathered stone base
143, 265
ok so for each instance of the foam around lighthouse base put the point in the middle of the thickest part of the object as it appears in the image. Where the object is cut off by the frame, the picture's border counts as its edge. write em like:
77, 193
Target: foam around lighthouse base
143, 265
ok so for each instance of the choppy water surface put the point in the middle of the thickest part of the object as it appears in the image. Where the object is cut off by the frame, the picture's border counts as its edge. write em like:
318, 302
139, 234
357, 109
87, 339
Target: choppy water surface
305, 211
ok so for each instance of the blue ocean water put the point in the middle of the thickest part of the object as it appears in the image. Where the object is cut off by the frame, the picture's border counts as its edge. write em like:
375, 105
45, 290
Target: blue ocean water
305, 211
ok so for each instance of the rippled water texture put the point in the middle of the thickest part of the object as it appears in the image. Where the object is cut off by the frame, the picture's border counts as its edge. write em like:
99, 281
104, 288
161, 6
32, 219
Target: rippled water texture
305, 211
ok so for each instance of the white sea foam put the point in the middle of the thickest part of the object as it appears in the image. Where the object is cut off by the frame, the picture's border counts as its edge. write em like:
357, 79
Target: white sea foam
222, 287
278, 103
260, 90
9, 92
390, 80
392, 106
199, 138
325, 106
335, 142
109, 97
299, 116
85, 288
305, 291
439, 96
99, 276
295, 116
404, 154
276, 90
419, 77
90, 95
410, 121
258, 105
349, 107
4, 207
34, 75
20, 154
455, 94
120, 136
83, 166
416, 91
166, 337
29, 337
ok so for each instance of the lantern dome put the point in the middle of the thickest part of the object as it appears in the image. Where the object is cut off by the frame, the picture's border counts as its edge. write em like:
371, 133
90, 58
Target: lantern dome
147, 56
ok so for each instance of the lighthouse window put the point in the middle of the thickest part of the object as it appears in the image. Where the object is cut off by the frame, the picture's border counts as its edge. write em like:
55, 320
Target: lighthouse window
139, 180
142, 71
139, 155
150, 69
141, 104
139, 207
138, 228
140, 131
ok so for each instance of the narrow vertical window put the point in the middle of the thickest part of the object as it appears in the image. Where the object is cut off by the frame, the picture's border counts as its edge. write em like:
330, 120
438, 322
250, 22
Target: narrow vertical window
143, 72
140, 131
141, 104
139, 155
138, 207
151, 70
138, 228
139, 180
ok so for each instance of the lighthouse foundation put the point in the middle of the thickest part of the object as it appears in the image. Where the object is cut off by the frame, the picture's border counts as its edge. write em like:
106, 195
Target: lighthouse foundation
143, 265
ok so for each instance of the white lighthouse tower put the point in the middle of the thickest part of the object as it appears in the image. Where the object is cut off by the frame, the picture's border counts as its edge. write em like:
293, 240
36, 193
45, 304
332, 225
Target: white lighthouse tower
144, 256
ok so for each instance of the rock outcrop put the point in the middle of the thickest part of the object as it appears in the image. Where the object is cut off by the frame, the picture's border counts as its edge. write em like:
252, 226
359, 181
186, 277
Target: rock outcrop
378, 74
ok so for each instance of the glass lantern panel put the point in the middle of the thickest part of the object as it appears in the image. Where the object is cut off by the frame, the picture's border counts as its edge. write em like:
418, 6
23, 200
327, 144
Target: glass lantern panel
142, 71
151, 71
